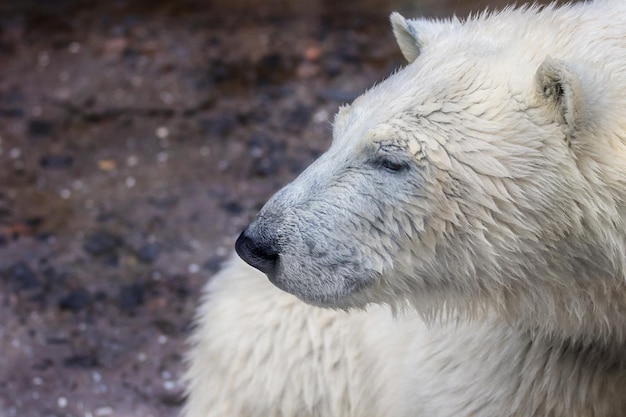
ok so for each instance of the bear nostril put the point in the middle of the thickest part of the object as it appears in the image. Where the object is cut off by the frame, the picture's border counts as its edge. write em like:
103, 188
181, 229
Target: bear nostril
256, 252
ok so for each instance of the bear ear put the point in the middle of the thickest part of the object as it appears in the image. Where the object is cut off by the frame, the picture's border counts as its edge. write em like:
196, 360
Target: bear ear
559, 86
406, 35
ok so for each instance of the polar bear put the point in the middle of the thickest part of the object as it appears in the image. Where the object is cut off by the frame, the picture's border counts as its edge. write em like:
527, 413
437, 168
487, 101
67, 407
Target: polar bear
480, 193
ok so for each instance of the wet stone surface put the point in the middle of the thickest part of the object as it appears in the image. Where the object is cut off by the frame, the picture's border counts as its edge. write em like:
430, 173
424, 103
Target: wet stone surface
134, 147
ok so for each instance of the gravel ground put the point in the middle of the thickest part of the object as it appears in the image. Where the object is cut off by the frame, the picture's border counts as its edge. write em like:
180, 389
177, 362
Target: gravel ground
136, 141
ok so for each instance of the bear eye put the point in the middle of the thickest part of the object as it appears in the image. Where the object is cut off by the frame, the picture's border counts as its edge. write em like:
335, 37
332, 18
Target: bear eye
392, 165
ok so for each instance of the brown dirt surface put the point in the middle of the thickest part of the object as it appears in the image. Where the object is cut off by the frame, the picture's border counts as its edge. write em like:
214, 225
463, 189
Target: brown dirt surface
136, 140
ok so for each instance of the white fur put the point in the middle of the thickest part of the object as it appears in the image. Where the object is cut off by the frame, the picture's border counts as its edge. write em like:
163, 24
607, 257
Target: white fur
260, 352
506, 230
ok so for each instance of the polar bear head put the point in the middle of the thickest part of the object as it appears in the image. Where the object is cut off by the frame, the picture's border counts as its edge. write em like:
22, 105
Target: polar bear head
477, 177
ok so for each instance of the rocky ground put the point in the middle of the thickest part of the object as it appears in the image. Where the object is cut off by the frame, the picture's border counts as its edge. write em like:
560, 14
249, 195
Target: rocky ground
136, 141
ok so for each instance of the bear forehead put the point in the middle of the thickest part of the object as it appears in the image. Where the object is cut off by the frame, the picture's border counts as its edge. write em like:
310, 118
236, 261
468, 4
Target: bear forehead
443, 85
418, 110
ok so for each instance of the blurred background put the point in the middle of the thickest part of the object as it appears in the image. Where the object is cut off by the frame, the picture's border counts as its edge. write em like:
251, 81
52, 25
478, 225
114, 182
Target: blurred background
137, 139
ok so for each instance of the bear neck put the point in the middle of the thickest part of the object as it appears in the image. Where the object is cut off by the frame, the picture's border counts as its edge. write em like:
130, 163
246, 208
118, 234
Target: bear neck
526, 289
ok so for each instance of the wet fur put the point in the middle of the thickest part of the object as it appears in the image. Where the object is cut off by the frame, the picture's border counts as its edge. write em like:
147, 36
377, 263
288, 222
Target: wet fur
506, 233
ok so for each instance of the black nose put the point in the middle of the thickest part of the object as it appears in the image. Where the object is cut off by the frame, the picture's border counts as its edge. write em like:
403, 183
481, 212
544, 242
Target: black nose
257, 252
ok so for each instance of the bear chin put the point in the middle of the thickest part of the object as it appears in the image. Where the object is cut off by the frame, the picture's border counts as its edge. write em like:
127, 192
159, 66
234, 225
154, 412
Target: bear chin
348, 294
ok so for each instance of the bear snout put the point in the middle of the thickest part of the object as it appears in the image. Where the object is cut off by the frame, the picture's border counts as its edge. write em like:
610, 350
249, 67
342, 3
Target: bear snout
257, 252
